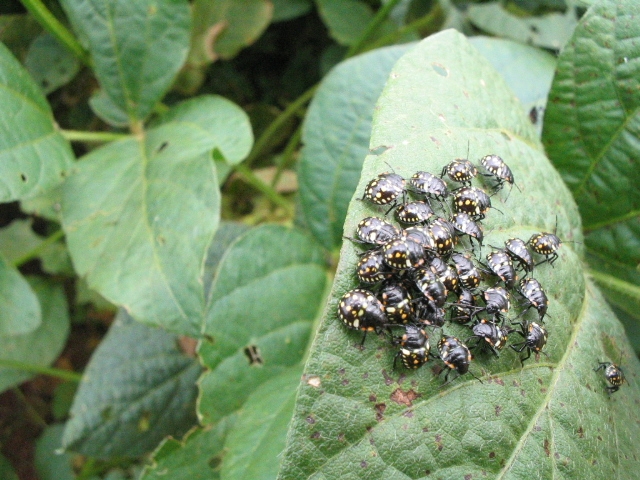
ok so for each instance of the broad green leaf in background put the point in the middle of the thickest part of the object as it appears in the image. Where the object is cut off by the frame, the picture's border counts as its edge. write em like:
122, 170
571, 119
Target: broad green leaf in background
50, 64
49, 462
17, 32
336, 139
198, 456
289, 9
137, 47
221, 28
254, 444
140, 214
265, 295
528, 71
225, 236
138, 388
20, 311
43, 345
17, 239
345, 19
552, 30
442, 98
592, 126
33, 155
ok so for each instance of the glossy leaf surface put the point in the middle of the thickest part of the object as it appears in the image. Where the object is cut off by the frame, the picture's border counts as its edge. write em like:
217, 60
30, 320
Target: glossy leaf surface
33, 155
441, 99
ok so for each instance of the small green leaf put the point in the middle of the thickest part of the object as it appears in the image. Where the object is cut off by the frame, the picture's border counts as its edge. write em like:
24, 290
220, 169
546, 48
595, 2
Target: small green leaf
358, 415
43, 345
49, 463
225, 236
266, 293
224, 27
50, 64
345, 19
138, 388
20, 311
290, 9
17, 239
17, 32
254, 445
33, 155
137, 47
139, 216
552, 30
592, 123
336, 139
198, 455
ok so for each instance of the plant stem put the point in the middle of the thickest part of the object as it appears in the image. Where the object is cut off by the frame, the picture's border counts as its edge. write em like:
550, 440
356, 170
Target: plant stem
39, 369
422, 22
287, 155
33, 253
272, 129
98, 137
57, 29
374, 24
257, 183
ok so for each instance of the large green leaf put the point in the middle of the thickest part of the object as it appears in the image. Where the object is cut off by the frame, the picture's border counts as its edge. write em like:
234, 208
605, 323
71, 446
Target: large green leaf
253, 446
20, 311
137, 47
358, 418
591, 130
138, 388
139, 214
223, 27
43, 345
266, 292
33, 155
336, 138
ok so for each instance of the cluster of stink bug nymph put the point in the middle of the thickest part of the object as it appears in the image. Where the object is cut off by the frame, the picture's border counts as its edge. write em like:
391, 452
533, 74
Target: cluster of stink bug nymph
423, 271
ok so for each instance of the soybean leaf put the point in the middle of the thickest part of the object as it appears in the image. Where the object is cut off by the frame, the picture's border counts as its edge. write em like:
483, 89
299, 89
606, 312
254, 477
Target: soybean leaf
50, 64
33, 155
345, 19
139, 214
17, 239
17, 31
253, 446
138, 388
552, 30
266, 293
137, 47
336, 138
442, 98
20, 311
224, 238
198, 455
290, 9
224, 27
43, 345
49, 464
593, 120
592, 131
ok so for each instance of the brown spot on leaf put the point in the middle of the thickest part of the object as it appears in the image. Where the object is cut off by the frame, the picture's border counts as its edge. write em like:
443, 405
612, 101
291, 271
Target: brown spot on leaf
404, 398
438, 439
498, 410
341, 371
556, 455
545, 445
492, 454
580, 432
363, 464
468, 477
408, 414
373, 398
365, 375
315, 435
314, 381
425, 429
341, 438
311, 420
380, 408
387, 379
599, 437
253, 355
345, 381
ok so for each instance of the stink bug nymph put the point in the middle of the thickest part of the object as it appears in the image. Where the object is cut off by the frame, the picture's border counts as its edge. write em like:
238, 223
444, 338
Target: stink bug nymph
535, 338
414, 347
546, 244
359, 309
455, 355
613, 374
460, 170
385, 189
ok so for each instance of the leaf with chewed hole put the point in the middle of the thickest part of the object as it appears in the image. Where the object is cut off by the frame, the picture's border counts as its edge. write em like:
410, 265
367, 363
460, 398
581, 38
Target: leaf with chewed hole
361, 418
265, 295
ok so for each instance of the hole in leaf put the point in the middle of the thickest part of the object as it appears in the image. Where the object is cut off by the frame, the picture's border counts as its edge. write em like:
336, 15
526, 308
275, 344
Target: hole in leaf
533, 28
253, 354
214, 462
440, 69
162, 146
209, 338
379, 150
44, 83
23, 177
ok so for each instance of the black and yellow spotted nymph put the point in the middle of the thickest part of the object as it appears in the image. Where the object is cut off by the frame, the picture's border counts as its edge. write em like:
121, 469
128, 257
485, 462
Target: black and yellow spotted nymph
413, 213
376, 231
455, 355
359, 309
498, 170
546, 244
613, 374
414, 347
500, 263
535, 296
460, 170
385, 189
473, 201
535, 338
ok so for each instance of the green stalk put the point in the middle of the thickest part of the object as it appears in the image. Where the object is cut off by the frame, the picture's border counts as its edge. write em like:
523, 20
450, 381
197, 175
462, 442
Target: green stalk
272, 129
34, 252
248, 175
425, 21
97, 137
374, 24
57, 29
40, 370
31, 412
287, 155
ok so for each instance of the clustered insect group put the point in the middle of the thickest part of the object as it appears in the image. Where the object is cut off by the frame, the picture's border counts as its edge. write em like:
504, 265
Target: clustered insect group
408, 274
